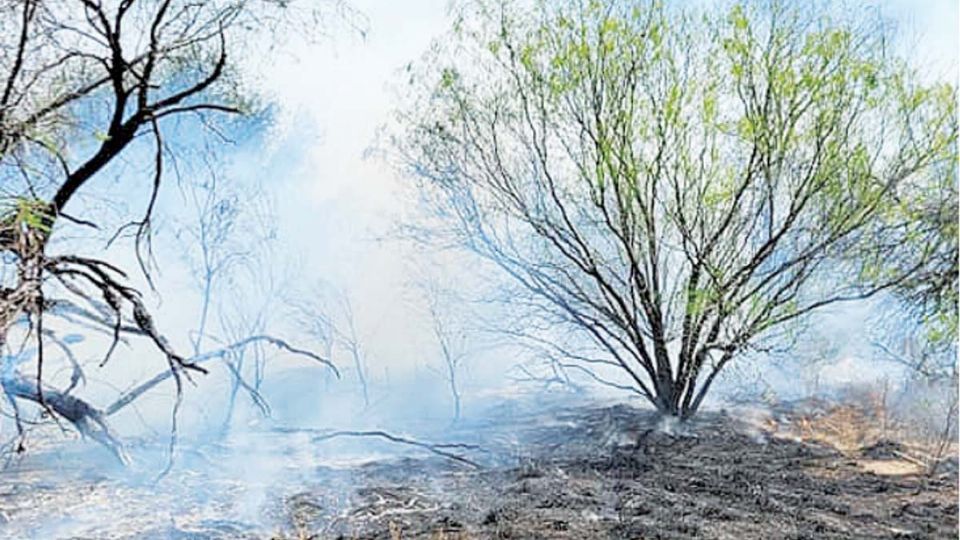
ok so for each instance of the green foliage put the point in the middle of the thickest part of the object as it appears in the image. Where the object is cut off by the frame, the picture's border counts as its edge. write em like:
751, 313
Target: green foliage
448, 78
25, 213
25, 223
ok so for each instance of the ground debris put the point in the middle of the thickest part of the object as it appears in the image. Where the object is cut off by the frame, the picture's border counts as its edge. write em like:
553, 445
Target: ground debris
613, 472
570, 472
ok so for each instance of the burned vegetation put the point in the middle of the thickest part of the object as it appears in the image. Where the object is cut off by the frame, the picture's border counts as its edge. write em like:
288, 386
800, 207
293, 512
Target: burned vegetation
613, 472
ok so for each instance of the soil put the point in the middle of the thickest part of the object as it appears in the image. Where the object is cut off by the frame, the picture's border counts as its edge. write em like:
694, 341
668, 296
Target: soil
582, 472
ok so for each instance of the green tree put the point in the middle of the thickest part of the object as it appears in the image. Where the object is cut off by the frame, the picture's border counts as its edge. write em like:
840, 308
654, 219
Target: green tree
675, 186
917, 325
925, 310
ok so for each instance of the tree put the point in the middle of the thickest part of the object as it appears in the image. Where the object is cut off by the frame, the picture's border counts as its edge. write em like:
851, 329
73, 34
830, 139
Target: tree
83, 83
213, 243
918, 324
675, 186
226, 239
452, 339
923, 313
329, 318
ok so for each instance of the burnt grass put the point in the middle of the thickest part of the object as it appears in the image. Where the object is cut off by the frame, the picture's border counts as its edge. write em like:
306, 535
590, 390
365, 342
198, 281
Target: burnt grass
610, 473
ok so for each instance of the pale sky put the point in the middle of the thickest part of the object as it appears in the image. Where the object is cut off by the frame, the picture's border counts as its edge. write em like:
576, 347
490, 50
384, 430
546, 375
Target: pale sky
333, 204
335, 95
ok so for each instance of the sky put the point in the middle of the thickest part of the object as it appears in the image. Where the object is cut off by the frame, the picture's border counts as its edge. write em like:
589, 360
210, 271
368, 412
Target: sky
336, 202
335, 94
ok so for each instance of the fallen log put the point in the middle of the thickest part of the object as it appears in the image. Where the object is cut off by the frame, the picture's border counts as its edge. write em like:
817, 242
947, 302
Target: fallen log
87, 419
91, 421
135, 393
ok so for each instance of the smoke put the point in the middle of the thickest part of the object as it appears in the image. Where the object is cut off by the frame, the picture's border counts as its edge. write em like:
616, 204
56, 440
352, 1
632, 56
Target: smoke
334, 213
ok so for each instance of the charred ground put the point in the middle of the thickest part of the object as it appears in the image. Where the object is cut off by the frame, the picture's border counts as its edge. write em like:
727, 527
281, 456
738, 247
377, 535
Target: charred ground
584, 472
614, 473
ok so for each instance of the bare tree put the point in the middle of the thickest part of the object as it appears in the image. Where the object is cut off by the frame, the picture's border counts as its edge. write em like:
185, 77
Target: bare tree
219, 246
345, 335
329, 318
452, 339
676, 186
82, 83
227, 239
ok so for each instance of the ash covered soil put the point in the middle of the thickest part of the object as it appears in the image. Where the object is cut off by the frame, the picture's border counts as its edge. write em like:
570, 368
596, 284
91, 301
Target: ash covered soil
584, 472
615, 473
